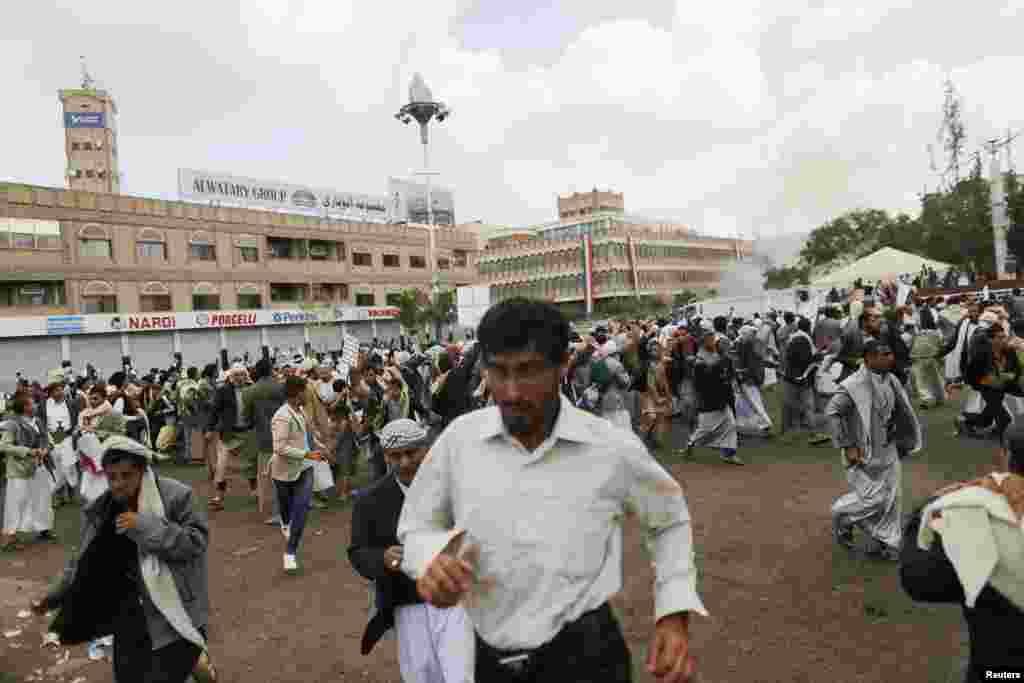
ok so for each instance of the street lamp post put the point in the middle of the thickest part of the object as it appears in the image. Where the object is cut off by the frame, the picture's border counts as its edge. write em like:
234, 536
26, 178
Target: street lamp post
423, 109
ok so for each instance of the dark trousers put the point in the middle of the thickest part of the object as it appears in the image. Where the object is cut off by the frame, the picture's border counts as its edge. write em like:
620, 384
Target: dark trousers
589, 650
135, 660
993, 412
294, 498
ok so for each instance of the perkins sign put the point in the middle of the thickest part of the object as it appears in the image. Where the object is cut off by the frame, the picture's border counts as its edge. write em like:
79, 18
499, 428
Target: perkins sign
201, 186
88, 119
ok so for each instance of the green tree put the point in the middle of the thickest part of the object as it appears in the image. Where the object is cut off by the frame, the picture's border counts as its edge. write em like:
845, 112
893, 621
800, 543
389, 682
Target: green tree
410, 309
441, 311
683, 298
785, 277
1015, 211
854, 234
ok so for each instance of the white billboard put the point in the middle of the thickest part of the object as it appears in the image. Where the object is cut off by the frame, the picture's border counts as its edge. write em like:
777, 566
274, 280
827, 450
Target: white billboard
206, 187
471, 304
407, 201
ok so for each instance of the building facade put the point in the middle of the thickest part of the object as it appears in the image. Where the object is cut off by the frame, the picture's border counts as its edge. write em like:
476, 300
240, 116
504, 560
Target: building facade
631, 257
68, 253
90, 140
584, 204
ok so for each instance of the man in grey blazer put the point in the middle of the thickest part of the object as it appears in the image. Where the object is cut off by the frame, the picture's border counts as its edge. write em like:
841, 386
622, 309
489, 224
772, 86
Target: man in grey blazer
140, 575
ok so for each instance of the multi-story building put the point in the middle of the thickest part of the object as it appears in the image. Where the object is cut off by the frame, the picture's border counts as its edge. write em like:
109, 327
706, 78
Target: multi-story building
90, 139
583, 204
69, 259
632, 256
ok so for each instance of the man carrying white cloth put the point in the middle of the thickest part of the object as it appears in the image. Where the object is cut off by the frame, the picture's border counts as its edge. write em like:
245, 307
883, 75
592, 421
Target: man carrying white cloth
517, 512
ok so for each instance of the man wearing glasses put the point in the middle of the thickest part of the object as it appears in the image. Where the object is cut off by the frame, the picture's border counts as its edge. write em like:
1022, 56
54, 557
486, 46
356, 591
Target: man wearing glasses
517, 511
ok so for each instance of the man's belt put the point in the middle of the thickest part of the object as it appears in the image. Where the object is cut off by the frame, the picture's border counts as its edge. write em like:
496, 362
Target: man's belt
522, 664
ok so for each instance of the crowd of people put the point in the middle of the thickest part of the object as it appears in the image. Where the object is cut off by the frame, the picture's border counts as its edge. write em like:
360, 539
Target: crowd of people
509, 591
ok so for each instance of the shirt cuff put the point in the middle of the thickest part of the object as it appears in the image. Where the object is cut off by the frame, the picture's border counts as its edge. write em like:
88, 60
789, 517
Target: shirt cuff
679, 595
420, 548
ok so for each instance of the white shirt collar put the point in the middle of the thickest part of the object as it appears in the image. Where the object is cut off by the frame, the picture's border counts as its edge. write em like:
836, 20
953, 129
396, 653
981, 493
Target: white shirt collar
571, 424
405, 489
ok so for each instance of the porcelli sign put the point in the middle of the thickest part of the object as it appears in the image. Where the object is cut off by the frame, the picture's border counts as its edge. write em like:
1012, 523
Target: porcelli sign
39, 326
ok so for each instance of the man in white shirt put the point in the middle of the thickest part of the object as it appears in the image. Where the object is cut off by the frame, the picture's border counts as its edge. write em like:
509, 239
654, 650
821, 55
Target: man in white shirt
517, 513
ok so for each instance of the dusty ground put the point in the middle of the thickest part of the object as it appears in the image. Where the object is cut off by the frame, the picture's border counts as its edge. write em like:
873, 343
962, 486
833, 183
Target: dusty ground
786, 604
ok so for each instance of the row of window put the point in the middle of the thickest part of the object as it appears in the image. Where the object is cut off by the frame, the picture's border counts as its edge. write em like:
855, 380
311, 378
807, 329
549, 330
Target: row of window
88, 173
103, 248
26, 233
602, 254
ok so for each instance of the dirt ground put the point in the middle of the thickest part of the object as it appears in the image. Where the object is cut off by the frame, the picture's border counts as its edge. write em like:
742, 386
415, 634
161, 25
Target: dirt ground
786, 604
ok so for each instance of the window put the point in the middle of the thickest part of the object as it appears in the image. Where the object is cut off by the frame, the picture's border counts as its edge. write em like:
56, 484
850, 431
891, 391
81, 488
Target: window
281, 247
87, 146
75, 146
392, 298
155, 250
155, 302
391, 261
417, 261
93, 248
248, 301
89, 173
248, 250
287, 293
443, 263
32, 294
202, 252
99, 304
459, 257
360, 258
206, 302
321, 250
364, 299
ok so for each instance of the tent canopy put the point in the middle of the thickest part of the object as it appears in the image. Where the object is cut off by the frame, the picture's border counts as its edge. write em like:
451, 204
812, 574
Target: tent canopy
885, 264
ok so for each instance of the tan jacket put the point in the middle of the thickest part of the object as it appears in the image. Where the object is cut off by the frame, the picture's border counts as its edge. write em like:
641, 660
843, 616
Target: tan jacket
288, 428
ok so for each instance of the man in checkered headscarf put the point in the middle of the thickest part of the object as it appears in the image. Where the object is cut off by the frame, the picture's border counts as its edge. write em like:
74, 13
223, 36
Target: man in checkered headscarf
434, 644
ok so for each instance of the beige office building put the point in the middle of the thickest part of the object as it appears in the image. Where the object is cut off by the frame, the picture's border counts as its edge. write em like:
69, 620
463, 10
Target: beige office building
632, 256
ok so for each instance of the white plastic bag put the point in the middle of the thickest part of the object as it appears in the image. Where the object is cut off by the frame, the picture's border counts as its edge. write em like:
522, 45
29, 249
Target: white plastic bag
323, 479
973, 403
65, 459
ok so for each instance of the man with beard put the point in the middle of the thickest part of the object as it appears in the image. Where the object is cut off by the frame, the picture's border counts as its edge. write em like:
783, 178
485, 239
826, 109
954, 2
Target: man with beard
872, 421
434, 644
517, 512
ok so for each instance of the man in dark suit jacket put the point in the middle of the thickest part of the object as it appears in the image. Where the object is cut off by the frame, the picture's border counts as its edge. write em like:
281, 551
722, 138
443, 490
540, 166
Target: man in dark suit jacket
434, 645
259, 403
229, 422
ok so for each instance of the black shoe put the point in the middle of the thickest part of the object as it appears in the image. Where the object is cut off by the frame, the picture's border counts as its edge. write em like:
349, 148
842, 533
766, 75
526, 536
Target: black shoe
47, 537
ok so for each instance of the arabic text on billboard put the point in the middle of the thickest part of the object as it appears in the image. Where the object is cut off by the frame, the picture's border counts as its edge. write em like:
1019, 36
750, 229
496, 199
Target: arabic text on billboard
89, 119
269, 194
408, 202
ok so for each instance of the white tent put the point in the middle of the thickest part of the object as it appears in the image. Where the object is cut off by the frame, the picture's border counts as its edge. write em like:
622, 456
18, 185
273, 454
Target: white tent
885, 264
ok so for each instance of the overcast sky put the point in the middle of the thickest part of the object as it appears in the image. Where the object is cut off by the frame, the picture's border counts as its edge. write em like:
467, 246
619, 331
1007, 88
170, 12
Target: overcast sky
725, 115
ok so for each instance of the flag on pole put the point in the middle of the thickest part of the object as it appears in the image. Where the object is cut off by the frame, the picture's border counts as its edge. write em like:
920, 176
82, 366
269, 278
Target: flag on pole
587, 253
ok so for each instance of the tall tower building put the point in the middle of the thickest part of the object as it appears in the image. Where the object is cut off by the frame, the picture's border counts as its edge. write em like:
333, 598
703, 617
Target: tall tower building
90, 138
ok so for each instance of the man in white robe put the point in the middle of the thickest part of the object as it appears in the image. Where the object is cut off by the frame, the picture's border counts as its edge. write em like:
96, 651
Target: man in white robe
30, 477
872, 421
